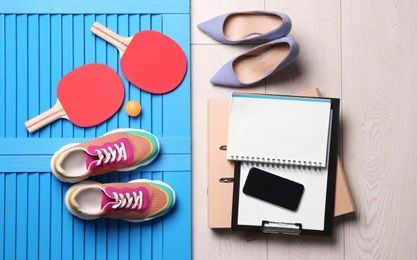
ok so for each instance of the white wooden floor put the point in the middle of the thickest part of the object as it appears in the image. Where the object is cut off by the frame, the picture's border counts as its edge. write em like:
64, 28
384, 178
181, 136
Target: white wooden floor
364, 52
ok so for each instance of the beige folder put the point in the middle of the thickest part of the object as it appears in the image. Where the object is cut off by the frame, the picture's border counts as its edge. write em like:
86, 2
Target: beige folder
221, 171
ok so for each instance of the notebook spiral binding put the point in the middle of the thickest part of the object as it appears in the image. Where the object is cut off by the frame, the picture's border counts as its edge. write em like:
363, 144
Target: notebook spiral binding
272, 161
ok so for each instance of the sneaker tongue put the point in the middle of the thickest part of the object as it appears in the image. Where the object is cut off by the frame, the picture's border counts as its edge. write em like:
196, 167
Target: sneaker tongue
92, 155
106, 201
89, 159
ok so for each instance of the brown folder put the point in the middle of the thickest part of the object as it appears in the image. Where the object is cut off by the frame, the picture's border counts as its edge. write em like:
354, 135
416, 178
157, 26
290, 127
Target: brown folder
220, 170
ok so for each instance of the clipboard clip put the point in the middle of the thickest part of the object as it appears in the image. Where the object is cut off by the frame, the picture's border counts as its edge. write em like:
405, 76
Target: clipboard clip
270, 227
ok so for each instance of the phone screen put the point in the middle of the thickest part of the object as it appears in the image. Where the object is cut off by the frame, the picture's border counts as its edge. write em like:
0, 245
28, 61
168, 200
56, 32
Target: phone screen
273, 189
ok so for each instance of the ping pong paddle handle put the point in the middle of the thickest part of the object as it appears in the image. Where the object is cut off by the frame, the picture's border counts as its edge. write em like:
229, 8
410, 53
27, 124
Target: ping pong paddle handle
111, 37
56, 112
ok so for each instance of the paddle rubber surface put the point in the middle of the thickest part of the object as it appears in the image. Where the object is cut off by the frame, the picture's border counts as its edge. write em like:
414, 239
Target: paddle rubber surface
154, 62
90, 94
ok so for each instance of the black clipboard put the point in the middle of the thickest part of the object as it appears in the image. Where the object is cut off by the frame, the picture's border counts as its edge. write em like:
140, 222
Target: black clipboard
276, 225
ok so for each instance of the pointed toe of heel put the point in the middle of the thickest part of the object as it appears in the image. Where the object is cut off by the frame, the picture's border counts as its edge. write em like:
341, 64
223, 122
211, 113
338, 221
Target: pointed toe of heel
226, 76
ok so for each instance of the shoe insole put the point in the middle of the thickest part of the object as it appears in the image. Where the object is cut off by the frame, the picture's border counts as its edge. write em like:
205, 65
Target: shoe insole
89, 200
244, 26
260, 62
74, 164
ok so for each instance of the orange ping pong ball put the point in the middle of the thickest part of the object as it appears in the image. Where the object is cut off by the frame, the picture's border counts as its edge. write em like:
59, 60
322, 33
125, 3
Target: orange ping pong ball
133, 108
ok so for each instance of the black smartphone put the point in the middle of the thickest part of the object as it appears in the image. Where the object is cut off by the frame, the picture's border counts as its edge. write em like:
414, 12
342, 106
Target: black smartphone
273, 189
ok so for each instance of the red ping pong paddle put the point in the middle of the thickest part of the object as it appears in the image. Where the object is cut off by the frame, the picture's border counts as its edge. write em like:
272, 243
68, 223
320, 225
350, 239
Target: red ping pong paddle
86, 96
150, 60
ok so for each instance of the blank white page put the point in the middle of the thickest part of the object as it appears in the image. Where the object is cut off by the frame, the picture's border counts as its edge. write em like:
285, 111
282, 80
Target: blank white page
312, 208
278, 129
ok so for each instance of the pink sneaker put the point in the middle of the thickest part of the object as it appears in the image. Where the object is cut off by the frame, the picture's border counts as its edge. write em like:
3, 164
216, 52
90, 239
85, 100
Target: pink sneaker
135, 201
120, 149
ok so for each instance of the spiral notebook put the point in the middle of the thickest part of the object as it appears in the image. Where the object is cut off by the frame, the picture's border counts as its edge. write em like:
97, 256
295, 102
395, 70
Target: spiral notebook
260, 126
293, 139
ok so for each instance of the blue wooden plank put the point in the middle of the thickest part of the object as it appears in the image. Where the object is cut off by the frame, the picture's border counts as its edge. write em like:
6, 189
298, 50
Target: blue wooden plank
33, 217
57, 222
101, 243
79, 41
123, 246
33, 72
2, 212
2, 77
90, 240
10, 77
89, 38
157, 228
98, 7
60, 239
146, 241
79, 239
112, 238
44, 215
41, 163
22, 216
146, 233
10, 216
157, 100
123, 29
134, 240
134, 92
56, 67
45, 70
113, 62
101, 57
36, 146
145, 97
67, 229
67, 60
22, 74
177, 223
32, 164
48, 146
135, 175
177, 27
78, 47
146, 175
89, 55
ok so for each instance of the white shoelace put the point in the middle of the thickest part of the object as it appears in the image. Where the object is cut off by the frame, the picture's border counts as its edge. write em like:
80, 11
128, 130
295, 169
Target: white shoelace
110, 154
124, 201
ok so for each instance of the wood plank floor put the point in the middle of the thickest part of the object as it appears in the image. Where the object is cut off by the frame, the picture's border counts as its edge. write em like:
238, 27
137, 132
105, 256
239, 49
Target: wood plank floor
364, 52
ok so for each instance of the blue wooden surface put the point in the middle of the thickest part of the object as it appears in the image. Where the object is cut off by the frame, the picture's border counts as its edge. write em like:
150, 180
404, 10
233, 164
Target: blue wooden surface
40, 41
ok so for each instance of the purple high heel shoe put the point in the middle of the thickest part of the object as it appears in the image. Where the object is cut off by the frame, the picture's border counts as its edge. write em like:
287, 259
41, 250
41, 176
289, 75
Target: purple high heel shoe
246, 27
257, 63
